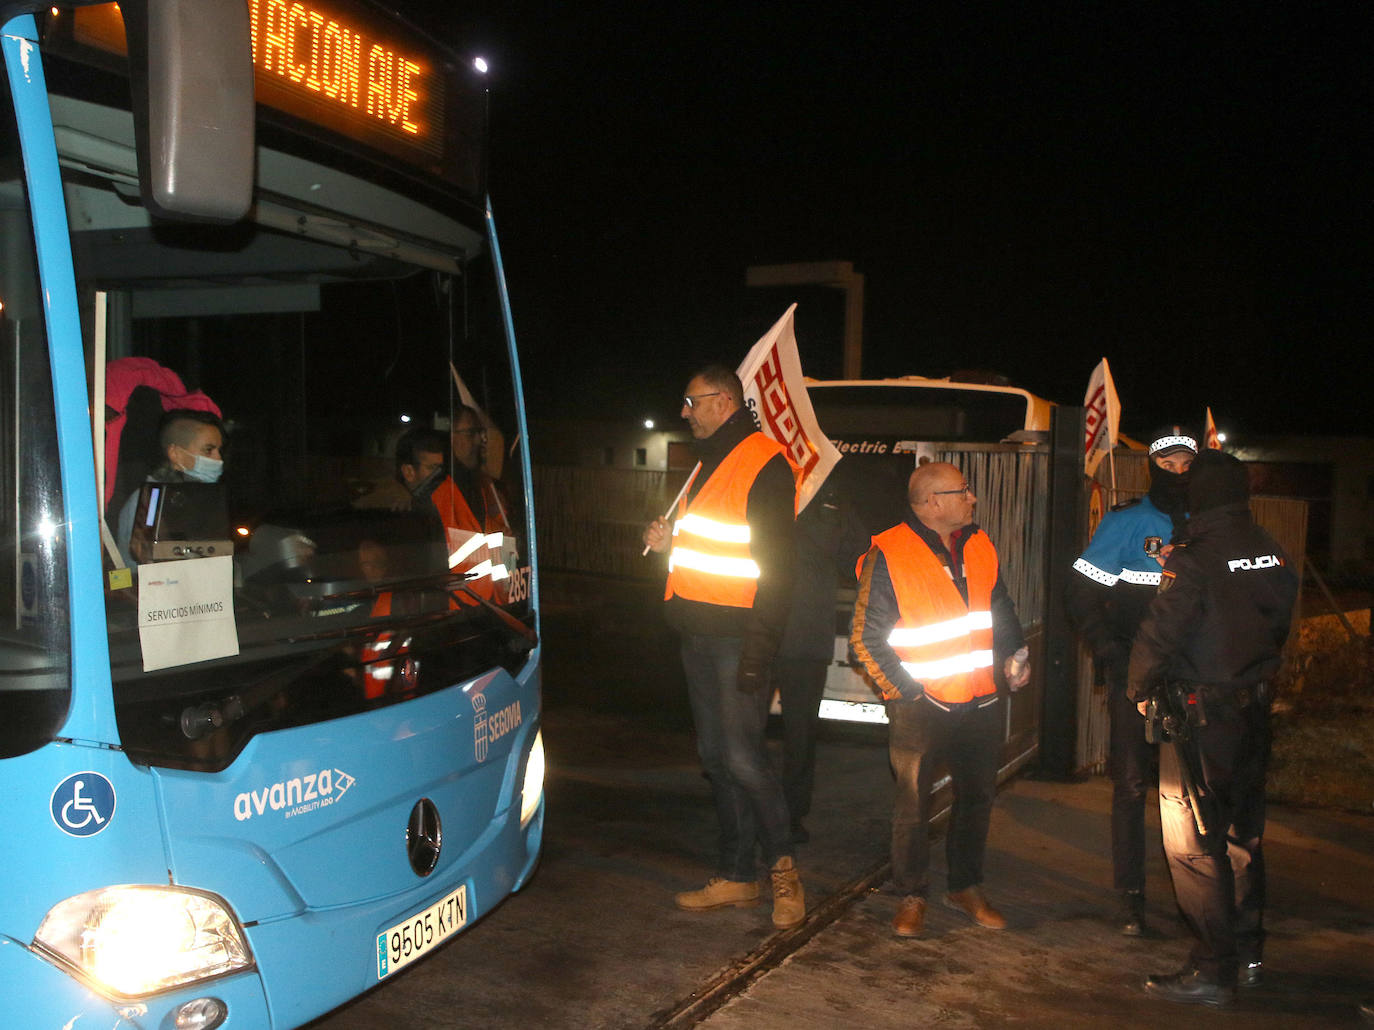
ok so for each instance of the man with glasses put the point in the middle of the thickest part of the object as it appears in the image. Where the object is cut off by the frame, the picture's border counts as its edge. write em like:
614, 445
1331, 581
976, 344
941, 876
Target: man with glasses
730, 569
471, 507
932, 620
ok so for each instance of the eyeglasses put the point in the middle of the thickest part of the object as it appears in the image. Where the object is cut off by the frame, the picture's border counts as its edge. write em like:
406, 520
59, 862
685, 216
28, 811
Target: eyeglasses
961, 490
690, 400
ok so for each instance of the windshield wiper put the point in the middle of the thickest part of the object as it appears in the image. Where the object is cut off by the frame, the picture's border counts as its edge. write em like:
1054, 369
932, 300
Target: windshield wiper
199, 720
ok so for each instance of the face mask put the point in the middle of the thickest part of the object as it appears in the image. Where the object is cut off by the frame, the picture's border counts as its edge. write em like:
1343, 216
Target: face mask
205, 470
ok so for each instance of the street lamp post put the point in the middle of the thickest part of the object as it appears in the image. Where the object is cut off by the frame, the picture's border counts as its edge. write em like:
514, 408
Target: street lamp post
839, 274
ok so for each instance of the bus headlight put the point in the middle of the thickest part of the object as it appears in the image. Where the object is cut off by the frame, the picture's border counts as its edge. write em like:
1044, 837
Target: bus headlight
533, 788
137, 940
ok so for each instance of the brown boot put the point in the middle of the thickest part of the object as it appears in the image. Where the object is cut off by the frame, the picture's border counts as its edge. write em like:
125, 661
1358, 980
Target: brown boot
789, 901
971, 901
910, 920
718, 893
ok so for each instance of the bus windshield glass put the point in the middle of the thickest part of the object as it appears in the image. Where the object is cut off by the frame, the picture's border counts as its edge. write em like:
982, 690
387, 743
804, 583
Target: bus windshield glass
35, 688
312, 485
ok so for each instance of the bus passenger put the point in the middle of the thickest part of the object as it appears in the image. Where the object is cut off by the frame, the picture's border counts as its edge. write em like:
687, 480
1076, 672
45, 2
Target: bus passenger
419, 468
191, 444
469, 503
469, 507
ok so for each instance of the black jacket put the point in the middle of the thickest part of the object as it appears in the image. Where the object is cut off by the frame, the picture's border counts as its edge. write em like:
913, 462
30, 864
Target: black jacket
830, 542
770, 513
1223, 610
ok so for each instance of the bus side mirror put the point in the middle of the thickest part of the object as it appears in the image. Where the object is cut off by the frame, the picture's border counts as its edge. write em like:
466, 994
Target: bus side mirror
191, 70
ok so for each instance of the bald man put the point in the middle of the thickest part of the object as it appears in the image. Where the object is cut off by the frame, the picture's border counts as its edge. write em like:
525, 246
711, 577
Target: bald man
932, 620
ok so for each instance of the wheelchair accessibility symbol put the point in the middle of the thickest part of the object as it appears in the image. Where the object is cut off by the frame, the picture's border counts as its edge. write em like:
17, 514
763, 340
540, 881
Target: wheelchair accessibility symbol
83, 804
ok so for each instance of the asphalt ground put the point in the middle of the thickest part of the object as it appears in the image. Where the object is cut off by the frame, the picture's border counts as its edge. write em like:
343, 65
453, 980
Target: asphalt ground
595, 941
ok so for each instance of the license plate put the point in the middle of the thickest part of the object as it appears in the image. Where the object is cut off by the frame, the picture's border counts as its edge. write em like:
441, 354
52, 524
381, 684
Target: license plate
421, 933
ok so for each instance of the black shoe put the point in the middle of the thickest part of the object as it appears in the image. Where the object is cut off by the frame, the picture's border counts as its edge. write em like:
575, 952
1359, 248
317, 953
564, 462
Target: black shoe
799, 834
1133, 914
1250, 974
1190, 988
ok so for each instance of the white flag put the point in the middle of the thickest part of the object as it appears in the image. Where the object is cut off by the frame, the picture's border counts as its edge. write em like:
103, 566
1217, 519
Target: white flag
776, 396
1209, 433
1103, 417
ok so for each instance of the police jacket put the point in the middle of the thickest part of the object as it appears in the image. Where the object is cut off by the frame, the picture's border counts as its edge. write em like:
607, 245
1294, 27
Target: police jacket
1114, 579
743, 475
1223, 609
939, 624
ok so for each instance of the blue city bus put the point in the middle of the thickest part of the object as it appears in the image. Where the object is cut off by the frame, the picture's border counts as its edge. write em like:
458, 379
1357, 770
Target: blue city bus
284, 739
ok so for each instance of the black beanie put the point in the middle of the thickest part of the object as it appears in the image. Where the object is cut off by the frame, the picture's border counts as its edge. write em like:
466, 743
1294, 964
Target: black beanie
1216, 480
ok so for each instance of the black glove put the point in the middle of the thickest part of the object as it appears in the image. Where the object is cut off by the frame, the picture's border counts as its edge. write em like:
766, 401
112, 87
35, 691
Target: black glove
1143, 691
752, 676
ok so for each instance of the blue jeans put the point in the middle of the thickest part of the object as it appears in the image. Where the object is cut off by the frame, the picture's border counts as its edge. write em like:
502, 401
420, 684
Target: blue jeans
967, 740
730, 725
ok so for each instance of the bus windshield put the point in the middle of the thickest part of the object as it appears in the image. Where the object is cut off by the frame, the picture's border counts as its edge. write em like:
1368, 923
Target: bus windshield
896, 414
313, 493
34, 640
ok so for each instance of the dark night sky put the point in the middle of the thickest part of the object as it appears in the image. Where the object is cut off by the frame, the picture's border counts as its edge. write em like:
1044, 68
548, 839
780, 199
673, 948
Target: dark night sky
1026, 188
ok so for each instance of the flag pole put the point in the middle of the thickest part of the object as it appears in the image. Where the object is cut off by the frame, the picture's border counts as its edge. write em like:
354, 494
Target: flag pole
676, 501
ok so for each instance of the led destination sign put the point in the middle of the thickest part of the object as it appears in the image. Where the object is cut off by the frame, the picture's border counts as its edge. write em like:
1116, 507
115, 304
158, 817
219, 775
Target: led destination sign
346, 68
341, 66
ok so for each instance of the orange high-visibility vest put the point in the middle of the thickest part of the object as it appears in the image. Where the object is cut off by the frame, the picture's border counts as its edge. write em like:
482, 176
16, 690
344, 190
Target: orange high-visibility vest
474, 546
711, 559
944, 644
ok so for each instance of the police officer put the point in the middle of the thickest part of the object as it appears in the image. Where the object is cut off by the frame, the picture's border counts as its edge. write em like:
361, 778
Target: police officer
1215, 630
1107, 597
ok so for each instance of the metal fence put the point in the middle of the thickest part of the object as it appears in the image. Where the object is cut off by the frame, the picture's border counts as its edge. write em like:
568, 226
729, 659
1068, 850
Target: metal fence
1011, 483
591, 519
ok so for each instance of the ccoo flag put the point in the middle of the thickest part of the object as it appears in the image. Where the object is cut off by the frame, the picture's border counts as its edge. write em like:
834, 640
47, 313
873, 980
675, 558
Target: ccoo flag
776, 396
1103, 417
1209, 433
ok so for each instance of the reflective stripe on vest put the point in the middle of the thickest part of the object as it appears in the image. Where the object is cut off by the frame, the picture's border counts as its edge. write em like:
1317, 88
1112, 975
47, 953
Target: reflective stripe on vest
711, 559
943, 643
474, 549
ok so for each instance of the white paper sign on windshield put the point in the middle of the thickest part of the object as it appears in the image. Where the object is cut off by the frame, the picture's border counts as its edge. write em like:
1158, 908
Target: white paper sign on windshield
186, 611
